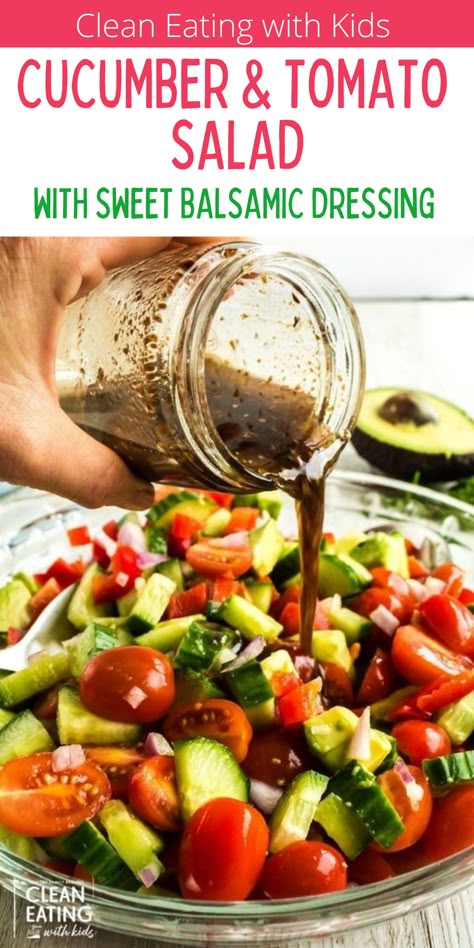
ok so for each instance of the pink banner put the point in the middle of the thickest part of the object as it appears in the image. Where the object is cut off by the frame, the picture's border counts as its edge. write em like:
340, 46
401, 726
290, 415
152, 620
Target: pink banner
249, 24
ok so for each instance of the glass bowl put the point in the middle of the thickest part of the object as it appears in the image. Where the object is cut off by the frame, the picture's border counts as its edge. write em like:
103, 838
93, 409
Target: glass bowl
33, 530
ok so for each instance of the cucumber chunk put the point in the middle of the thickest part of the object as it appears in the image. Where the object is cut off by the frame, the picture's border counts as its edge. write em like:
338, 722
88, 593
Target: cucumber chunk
457, 719
217, 522
87, 846
249, 620
155, 539
329, 645
205, 770
5, 717
194, 686
166, 636
173, 571
261, 595
40, 674
136, 843
357, 788
82, 609
355, 627
295, 810
342, 825
288, 565
449, 770
95, 639
151, 604
14, 599
23, 846
267, 543
24, 735
77, 725
268, 501
201, 645
341, 575
383, 549
184, 502
328, 736
249, 684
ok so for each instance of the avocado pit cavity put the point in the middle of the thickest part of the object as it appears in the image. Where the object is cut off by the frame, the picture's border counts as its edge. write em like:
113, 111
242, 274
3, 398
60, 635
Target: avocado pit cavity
407, 407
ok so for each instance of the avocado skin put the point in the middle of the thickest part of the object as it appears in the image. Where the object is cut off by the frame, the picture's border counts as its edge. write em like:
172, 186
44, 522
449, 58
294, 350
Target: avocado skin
399, 462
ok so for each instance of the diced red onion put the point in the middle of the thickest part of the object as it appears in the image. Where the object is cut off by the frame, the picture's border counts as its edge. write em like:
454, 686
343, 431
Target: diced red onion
135, 697
157, 744
232, 541
418, 590
434, 586
385, 620
252, 650
264, 796
330, 604
69, 755
402, 769
106, 542
131, 534
148, 875
413, 789
122, 579
359, 745
147, 559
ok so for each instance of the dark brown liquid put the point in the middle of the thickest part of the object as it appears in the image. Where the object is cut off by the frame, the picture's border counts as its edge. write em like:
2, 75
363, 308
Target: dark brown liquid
269, 428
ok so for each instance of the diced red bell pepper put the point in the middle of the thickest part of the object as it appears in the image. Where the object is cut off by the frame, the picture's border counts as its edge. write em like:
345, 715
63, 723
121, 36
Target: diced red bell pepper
300, 704
126, 560
124, 570
43, 597
100, 555
180, 536
188, 603
106, 589
221, 589
321, 620
292, 594
111, 529
284, 682
408, 708
46, 706
220, 498
290, 619
416, 568
79, 536
63, 572
242, 518
14, 636
445, 691
466, 596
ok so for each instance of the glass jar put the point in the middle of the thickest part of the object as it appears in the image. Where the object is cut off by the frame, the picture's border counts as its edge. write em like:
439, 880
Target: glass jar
219, 366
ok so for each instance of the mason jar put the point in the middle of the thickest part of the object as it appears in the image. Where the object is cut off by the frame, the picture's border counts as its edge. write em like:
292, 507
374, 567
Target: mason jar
227, 366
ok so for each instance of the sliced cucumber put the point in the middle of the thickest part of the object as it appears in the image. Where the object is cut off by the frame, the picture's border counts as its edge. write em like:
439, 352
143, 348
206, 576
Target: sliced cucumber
295, 810
82, 609
14, 599
343, 825
267, 543
355, 627
279, 662
87, 846
77, 725
29, 581
24, 735
288, 565
357, 788
5, 717
329, 645
151, 604
450, 769
173, 571
126, 603
194, 686
217, 522
328, 736
155, 539
261, 595
205, 770
166, 636
249, 620
23, 846
40, 674
95, 639
383, 549
457, 719
184, 502
136, 843
249, 684
201, 645
340, 575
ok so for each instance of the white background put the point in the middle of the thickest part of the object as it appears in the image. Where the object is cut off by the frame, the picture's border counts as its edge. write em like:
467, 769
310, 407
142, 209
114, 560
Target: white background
72, 147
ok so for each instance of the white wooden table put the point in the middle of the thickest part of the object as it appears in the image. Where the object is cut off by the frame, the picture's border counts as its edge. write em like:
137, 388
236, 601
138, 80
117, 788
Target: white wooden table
421, 345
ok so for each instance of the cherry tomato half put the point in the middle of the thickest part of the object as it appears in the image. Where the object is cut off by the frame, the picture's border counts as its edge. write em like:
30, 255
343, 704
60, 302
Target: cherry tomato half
222, 851
451, 827
220, 557
370, 867
131, 683
452, 575
370, 599
419, 740
413, 803
35, 801
118, 763
450, 621
153, 794
379, 679
421, 659
385, 579
304, 868
214, 718
276, 758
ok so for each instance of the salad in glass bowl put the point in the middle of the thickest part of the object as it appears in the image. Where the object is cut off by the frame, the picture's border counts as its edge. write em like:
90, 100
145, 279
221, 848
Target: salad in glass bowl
180, 753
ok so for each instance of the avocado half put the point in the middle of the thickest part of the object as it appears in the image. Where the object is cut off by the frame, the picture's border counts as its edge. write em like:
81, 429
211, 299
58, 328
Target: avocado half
403, 432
